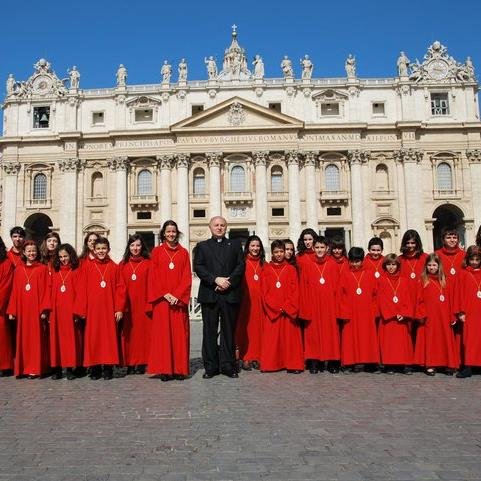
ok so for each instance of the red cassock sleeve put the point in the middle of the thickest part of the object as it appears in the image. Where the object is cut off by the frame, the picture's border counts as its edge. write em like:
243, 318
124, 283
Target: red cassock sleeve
387, 307
46, 279
80, 303
12, 302
184, 282
420, 309
120, 301
6, 280
344, 306
291, 302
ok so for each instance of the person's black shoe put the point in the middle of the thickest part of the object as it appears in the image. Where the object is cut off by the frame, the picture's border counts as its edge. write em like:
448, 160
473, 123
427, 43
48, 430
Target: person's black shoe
255, 365
57, 374
107, 372
130, 370
166, 377
140, 369
357, 368
464, 373
430, 372
231, 374
408, 371
179, 377
209, 375
246, 365
70, 374
6, 373
294, 371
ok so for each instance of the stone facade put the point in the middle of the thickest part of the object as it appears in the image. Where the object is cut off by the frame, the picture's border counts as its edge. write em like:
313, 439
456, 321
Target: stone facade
348, 156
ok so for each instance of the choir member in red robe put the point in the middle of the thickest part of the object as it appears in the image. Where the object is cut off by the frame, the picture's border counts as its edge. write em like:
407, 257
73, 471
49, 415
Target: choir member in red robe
412, 260
101, 300
435, 344
7, 350
339, 254
281, 337
396, 310
29, 305
17, 234
305, 256
290, 254
374, 258
48, 249
137, 321
321, 334
251, 315
358, 311
87, 254
467, 306
169, 286
65, 332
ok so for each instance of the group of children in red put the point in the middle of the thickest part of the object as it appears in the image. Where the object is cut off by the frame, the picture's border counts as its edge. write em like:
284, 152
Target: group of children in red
62, 311
323, 309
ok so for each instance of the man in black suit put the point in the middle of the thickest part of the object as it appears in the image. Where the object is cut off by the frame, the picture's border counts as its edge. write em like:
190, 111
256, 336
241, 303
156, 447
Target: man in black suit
219, 264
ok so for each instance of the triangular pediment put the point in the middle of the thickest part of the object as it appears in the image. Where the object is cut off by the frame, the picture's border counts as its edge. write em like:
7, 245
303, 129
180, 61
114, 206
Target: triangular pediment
237, 114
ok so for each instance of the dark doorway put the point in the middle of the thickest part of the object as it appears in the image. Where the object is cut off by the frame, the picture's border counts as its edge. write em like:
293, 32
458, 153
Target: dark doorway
448, 215
37, 226
241, 234
148, 238
332, 233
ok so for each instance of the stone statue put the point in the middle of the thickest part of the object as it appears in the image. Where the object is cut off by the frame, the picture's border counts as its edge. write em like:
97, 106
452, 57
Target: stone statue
74, 75
350, 66
166, 72
11, 84
258, 67
211, 67
121, 75
182, 69
286, 66
416, 71
470, 68
402, 65
307, 67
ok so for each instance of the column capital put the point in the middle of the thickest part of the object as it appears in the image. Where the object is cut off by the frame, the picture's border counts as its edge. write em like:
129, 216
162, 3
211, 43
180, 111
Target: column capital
310, 158
408, 155
474, 156
182, 160
165, 161
358, 156
214, 158
260, 157
118, 163
11, 168
293, 157
70, 165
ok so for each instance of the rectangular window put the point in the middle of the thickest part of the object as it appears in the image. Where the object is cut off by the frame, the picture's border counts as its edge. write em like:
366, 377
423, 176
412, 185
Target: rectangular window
144, 115
278, 212
330, 109
439, 104
41, 117
98, 118
378, 108
199, 213
275, 106
197, 108
144, 215
334, 211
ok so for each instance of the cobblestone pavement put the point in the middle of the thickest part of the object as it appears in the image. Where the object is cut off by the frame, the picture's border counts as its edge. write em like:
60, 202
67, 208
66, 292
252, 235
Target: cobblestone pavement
259, 427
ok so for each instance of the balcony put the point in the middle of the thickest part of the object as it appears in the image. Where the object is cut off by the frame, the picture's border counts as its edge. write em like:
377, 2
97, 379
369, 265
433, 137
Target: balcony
447, 194
277, 196
199, 198
96, 201
382, 194
140, 201
334, 197
38, 203
237, 198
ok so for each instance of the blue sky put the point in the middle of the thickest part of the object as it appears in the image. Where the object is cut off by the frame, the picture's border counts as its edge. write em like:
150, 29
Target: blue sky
98, 35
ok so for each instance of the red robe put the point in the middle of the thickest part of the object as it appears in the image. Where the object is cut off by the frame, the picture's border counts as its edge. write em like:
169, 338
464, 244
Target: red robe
14, 257
412, 268
251, 315
435, 343
468, 287
374, 266
98, 305
359, 343
27, 306
281, 337
303, 261
136, 324
321, 334
342, 264
65, 333
395, 340
170, 336
7, 350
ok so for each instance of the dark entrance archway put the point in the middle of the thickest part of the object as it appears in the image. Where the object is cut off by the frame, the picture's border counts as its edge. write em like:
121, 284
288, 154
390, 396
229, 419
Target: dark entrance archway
448, 215
37, 226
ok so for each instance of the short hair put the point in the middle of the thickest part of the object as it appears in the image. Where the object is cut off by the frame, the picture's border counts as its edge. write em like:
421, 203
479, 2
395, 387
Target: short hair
356, 254
391, 259
449, 230
166, 224
338, 243
262, 253
144, 249
412, 234
278, 244
25, 245
17, 230
74, 260
375, 241
320, 239
300, 243
471, 252
102, 240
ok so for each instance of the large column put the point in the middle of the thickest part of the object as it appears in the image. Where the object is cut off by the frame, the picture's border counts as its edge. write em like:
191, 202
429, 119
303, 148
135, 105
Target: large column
356, 159
413, 189
119, 166
215, 197
311, 191
68, 214
9, 210
294, 198
165, 164
183, 198
262, 223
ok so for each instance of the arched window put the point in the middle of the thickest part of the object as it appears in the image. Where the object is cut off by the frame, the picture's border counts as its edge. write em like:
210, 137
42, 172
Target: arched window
332, 178
445, 178
144, 182
277, 179
382, 178
237, 179
97, 185
40, 187
199, 181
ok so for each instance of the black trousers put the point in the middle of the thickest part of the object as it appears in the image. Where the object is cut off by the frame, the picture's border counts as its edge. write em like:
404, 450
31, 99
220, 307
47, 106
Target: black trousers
219, 356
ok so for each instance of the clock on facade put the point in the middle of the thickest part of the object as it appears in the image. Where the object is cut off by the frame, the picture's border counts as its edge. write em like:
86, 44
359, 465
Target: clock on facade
41, 84
437, 69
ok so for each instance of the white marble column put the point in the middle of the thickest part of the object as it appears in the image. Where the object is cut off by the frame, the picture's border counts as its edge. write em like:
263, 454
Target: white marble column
311, 191
119, 166
262, 223
9, 209
165, 198
183, 198
215, 196
294, 198
474, 160
68, 217
356, 159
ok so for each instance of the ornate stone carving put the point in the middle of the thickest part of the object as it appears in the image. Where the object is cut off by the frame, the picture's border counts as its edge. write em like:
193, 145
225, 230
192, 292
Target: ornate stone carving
214, 158
69, 165
11, 168
121, 76
143, 102
474, 155
408, 155
290, 90
258, 67
358, 156
165, 96
286, 67
74, 76
292, 157
181, 94
211, 67
165, 161
118, 163
260, 158
182, 69
354, 91
259, 91
403, 65
236, 115
182, 161
234, 66
212, 93
166, 72
307, 67
350, 66
310, 158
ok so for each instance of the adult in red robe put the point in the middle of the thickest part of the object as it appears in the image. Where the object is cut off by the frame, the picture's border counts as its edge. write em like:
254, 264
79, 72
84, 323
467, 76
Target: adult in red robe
17, 235
169, 287
7, 350
137, 321
305, 256
28, 305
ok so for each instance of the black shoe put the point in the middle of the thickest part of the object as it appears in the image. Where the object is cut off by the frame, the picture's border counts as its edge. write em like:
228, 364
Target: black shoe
430, 372
246, 365
209, 375
140, 369
464, 373
130, 370
70, 374
179, 377
231, 374
389, 370
166, 377
33, 376
107, 372
57, 374
6, 373
294, 371
357, 368
255, 365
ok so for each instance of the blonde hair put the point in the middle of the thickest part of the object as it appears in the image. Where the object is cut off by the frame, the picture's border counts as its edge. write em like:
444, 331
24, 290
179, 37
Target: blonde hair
441, 276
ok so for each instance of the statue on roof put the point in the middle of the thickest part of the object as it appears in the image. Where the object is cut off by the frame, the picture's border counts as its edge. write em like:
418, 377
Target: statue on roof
74, 76
234, 66
182, 69
121, 75
350, 66
211, 67
166, 72
403, 65
258, 67
286, 67
307, 67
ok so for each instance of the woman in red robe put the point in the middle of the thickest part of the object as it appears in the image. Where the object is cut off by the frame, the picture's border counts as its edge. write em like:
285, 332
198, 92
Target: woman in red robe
48, 248
29, 304
467, 306
412, 260
358, 311
87, 254
101, 300
251, 315
396, 310
7, 350
169, 286
136, 325
65, 332
281, 336
435, 344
